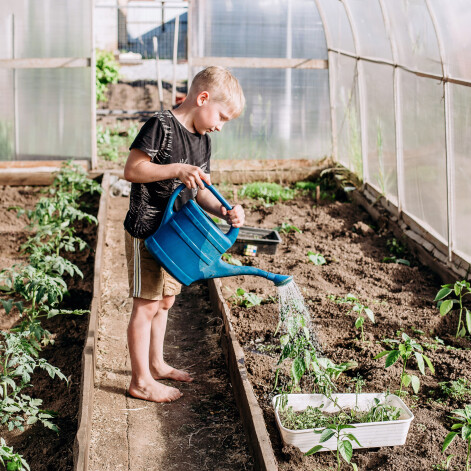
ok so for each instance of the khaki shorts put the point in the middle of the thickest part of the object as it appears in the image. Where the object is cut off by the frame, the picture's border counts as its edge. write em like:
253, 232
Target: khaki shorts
147, 279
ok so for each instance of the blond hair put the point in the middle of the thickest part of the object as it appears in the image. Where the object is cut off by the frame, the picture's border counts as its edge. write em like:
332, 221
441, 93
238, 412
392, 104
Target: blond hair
221, 85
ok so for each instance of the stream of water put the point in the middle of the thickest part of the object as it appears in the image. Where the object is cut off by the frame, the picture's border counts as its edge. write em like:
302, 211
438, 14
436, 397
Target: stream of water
294, 314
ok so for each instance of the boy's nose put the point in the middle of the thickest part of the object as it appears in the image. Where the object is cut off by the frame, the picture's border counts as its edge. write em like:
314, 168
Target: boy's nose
219, 126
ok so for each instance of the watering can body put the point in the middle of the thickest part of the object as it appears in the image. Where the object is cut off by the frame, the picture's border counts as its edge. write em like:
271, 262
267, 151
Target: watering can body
189, 245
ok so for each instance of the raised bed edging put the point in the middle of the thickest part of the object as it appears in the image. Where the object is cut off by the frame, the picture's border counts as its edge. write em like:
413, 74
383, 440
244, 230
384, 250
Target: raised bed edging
250, 411
87, 387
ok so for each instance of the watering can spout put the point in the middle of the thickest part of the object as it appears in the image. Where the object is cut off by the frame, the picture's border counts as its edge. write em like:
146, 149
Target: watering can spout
223, 269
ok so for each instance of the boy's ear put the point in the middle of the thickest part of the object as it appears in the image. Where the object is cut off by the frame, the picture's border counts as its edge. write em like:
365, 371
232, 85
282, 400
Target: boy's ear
202, 98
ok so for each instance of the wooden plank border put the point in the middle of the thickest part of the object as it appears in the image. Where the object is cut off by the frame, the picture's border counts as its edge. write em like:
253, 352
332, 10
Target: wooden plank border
87, 385
252, 415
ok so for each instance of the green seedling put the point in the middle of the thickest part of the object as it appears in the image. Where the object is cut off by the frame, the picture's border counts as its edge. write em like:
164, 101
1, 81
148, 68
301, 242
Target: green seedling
394, 259
10, 460
316, 258
268, 193
344, 443
404, 351
459, 389
395, 247
287, 228
463, 419
444, 465
229, 258
246, 299
358, 308
460, 289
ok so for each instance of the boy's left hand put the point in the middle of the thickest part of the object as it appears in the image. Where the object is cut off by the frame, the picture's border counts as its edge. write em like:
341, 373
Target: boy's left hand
235, 217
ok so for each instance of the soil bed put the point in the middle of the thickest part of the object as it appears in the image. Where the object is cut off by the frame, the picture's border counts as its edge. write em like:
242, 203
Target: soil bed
42, 448
401, 298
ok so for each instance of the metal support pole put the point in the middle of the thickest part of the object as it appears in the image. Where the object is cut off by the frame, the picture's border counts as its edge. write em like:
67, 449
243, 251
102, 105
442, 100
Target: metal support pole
15, 92
157, 67
175, 56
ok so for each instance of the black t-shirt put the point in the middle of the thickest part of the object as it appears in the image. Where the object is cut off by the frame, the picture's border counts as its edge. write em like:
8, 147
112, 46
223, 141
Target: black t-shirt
165, 141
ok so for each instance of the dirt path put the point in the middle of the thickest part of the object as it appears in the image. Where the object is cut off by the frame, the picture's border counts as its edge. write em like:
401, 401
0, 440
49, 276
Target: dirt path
202, 430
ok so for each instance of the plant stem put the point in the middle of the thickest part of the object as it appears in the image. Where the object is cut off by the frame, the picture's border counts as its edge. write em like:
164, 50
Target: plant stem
402, 376
459, 319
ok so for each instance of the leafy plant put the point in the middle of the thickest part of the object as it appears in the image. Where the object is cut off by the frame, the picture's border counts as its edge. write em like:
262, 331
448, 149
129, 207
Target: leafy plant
268, 193
394, 259
460, 289
229, 258
358, 308
344, 443
10, 460
404, 351
287, 228
458, 389
107, 71
395, 247
463, 419
246, 299
316, 258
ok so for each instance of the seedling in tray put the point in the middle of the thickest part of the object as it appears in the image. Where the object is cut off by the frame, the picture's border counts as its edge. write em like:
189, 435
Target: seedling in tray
460, 289
404, 351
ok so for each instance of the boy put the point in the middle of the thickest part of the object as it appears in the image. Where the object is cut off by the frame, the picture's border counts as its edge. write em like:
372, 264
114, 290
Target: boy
172, 147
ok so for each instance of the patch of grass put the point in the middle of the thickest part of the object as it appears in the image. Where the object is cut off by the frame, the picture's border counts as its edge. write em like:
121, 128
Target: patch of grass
267, 193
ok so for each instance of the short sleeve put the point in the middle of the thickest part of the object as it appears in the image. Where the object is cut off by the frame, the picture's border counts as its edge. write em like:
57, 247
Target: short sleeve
149, 138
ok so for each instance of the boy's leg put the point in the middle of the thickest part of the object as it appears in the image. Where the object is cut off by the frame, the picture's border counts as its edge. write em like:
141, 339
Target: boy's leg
158, 368
143, 385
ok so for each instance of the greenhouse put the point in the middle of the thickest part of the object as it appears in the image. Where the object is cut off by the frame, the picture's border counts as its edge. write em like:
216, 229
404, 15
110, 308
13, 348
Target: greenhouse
312, 289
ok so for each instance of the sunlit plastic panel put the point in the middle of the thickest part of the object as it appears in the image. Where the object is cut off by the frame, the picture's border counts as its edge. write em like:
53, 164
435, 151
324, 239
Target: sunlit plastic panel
54, 118
413, 32
244, 28
369, 28
7, 115
287, 116
461, 187
379, 100
347, 113
338, 25
454, 21
50, 28
423, 128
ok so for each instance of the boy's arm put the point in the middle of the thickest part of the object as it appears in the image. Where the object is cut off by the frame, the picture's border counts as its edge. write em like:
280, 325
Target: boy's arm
235, 217
140, 169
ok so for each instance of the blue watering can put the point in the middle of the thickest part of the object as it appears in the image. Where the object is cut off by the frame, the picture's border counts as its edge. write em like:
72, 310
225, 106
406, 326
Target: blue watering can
189, 245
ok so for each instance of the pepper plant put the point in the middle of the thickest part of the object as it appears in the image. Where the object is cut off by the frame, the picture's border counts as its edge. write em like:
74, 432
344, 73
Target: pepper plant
460, 289
404, 351
10, 460
462, 418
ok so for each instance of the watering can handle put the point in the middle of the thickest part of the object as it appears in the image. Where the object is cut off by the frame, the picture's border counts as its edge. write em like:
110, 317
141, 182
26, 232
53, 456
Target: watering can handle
169, 211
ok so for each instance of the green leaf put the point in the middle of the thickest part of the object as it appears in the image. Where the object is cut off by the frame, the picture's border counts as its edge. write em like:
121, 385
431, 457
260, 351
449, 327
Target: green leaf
406, 380
415, 383
314, 450
446, 307
468, 319
346, 450
429, 363
326, 435
297, 369
382, 354
392, 358
466, 432
420, 362
370, 314
359, 322
443, 293
448, 439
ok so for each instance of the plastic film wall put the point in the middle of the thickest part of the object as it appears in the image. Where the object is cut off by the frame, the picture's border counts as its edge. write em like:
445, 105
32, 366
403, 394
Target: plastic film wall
45, 104
287, 115
400, 72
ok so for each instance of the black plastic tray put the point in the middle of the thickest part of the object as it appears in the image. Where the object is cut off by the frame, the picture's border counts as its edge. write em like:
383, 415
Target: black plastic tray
266, 240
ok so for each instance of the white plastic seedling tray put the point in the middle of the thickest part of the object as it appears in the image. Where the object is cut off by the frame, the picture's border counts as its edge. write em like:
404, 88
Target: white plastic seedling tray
370, 435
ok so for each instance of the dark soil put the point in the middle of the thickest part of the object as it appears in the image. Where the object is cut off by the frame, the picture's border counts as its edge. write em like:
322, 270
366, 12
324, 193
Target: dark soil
42, 448
401, 298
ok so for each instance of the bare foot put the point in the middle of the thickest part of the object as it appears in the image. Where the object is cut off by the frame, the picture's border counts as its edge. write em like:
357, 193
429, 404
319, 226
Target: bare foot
154, 392
167, 372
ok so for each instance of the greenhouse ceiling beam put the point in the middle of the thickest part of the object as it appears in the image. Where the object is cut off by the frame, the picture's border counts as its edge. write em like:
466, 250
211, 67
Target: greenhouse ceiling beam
45, 63
449, 153
441, 78
260, 62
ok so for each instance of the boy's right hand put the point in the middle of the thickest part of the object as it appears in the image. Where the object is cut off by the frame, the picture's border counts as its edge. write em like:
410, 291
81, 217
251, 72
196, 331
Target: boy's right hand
192, 176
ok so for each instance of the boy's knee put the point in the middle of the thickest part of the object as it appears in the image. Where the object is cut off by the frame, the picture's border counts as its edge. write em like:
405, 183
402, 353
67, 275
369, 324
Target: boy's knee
167, 302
